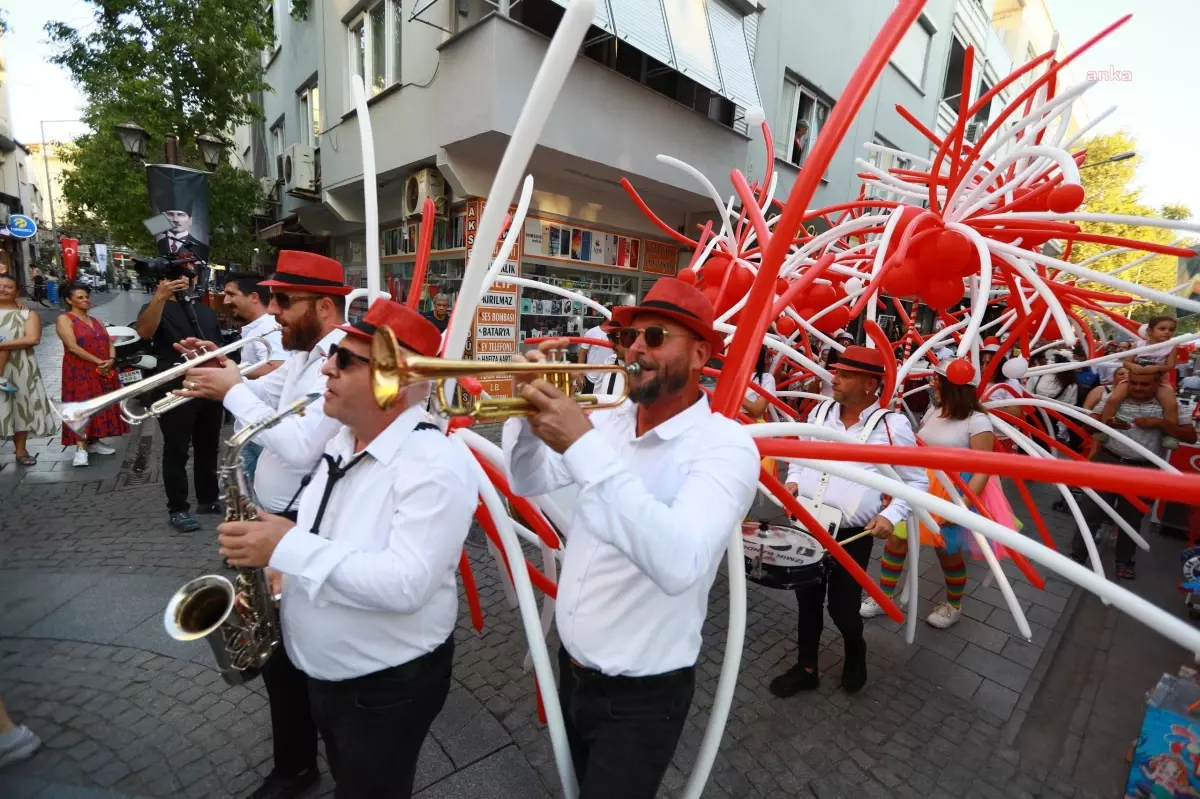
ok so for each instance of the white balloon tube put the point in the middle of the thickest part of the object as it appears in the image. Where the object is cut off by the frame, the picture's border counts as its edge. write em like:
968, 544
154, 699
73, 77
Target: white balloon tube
735, 636
931, 342
515, 230
774, 430
359, 294
527, 605
913, 588
985, 286
1072, 506
370, 187
1087, 419
545, 90
525, 282
1183, 338
1031, 277
710, 189
779, 346
1123, 286
1167, 624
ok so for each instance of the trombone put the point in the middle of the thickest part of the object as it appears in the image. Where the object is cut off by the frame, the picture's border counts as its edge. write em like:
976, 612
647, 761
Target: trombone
393, 370
134, 413
75, 415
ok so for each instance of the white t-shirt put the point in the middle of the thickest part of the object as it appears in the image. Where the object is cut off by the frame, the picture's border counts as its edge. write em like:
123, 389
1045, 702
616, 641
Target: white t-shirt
938, 431
596, 355
766, 380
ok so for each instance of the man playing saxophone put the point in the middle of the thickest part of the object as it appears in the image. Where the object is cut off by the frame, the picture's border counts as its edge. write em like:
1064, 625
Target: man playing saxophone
308, 301
369, 595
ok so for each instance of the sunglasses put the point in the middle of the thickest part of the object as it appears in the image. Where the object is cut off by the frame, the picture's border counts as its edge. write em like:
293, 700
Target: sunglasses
284, 301
655, 335
343, 357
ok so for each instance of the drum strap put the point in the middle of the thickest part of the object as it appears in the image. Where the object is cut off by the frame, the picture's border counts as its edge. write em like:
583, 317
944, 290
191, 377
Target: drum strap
877, 416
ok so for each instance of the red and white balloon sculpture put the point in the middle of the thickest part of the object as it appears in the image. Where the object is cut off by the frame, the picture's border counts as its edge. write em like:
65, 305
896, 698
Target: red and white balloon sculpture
968, 224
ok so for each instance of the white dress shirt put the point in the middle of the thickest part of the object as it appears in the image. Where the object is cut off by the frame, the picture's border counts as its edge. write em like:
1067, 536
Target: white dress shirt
292, 447
265, 349
858, 503
375, 587
269, 348
596, 354
653, 516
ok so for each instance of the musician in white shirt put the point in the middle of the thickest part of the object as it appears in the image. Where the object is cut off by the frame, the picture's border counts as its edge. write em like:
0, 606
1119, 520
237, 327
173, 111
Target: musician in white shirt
854, 410
663, 482
309, 303
248, 302
369, 589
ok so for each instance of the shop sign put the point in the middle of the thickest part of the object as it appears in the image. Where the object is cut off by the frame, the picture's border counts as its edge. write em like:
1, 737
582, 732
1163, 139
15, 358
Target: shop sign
661, 259
494, 331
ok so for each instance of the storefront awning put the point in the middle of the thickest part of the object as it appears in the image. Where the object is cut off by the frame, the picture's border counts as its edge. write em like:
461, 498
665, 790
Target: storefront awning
706, 40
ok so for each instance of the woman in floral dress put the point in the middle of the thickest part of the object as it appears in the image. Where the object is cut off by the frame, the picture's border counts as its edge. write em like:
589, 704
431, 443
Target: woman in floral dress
25, 408
87, 372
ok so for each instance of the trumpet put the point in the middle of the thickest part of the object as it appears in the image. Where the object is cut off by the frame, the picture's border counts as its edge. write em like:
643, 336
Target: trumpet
75, 415
392, 371
135, 413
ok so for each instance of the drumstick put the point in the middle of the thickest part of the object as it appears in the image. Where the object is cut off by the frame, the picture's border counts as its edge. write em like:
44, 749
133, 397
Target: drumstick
854, 537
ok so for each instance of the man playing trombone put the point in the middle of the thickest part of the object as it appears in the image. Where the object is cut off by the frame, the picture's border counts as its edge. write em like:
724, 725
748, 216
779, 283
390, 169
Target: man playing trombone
309, 302
663, 482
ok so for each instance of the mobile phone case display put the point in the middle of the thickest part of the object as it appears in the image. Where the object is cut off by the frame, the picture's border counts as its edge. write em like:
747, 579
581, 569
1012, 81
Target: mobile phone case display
547, 314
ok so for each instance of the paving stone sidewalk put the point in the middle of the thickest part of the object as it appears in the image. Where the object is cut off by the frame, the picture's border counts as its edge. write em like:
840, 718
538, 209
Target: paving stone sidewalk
86, 568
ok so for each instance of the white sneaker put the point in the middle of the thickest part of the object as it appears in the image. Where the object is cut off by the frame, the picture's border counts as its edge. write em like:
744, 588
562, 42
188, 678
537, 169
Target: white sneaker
18, 744
870, 608
944, 616
80, 459
100, 448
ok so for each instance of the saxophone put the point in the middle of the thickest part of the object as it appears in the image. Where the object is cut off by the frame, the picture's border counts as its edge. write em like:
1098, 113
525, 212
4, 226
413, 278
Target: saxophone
237, 617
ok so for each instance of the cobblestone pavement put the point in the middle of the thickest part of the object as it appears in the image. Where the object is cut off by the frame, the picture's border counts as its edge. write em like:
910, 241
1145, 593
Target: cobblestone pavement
86, 568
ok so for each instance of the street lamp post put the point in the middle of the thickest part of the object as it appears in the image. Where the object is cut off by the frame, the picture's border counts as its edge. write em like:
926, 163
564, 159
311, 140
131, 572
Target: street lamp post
50, 185
1125, 156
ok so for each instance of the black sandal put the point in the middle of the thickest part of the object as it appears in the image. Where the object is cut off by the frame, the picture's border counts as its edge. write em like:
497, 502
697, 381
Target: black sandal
27, 459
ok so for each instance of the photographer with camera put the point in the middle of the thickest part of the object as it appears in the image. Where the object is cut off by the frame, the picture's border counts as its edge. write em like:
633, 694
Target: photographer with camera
168, 318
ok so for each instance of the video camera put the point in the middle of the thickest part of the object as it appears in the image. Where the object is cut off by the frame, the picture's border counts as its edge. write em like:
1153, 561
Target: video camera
165, 268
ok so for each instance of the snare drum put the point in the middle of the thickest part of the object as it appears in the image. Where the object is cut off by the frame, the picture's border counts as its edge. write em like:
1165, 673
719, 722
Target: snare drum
781, 557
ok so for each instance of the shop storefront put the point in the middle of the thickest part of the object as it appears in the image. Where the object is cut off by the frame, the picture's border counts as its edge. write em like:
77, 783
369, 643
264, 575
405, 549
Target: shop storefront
608, 266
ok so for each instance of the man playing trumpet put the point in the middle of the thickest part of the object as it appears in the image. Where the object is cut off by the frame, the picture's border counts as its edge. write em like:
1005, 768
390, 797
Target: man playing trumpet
663, 483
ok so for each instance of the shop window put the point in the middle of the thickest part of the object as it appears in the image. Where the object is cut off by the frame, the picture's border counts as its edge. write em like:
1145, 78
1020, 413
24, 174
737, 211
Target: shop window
544, 313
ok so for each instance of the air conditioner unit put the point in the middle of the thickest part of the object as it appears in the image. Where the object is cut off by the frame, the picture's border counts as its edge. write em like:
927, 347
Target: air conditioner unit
421, 184
299, 169
973, 131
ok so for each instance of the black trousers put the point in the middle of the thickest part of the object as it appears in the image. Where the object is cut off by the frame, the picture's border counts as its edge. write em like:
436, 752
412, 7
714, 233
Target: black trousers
293, 731
373, 726
622, 730
845, 597
1126, 550
194, 425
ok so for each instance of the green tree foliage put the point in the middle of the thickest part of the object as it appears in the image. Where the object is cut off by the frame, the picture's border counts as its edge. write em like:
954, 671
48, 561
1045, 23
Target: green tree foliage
1109, 190
175, 67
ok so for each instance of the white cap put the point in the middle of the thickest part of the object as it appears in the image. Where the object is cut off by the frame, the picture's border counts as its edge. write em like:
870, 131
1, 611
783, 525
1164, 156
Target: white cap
842, 333
943, 364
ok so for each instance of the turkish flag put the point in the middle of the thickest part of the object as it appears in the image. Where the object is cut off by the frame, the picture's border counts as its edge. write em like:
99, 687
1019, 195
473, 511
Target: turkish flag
70, 256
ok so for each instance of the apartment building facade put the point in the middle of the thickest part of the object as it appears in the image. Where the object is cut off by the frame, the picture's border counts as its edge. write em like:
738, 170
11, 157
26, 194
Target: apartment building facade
446, 81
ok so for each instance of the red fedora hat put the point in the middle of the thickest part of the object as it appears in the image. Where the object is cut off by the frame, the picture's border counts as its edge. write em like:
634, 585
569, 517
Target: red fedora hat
413, 331
307, 271
679, 302
861, 359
